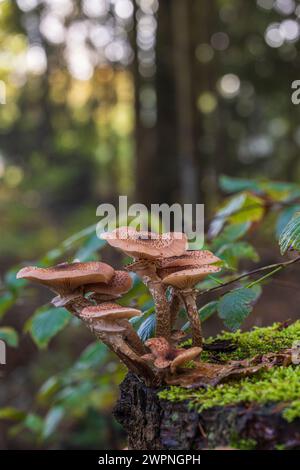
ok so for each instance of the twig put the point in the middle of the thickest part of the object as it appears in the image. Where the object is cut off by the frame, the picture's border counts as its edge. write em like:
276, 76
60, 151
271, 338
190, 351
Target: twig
251, 273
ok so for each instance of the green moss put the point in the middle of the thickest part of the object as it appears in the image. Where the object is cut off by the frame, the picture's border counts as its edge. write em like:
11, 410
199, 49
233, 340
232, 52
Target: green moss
280, 384
257, 341
243, 444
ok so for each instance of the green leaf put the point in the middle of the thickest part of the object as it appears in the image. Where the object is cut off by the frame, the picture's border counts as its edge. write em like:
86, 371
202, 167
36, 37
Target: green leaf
34, 423
12, 413
12, 282
242, 208
235, 306
231, 253
46, 323
77, 237
280, 191
90, 247
147, 328
48, 389
251, 210
205, 312
231, 205
290, 235
229, 234
284, 217
234, 185
9, 335
6, 301
52, 420
93, 356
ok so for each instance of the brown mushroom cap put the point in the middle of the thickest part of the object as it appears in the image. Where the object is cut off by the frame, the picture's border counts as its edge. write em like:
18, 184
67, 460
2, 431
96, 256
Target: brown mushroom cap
188, 278
184, 356
190, 258
147, 245
67, 277
109, 311
118, 285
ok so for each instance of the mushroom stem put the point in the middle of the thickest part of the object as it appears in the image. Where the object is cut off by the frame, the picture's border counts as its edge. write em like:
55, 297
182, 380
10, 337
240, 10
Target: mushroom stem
162, 308
133, 362
132, 338
146, 269
189, 299
175, 308
74, 304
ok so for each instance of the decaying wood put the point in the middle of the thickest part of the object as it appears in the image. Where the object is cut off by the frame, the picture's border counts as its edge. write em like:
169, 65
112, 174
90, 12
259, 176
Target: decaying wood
153, 424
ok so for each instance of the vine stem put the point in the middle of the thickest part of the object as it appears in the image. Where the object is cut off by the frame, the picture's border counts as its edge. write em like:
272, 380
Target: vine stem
275, 267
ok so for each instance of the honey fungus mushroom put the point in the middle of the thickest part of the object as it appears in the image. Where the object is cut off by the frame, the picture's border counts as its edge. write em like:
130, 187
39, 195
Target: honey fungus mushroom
108, 317
147, 248
164, 356
67, 281
119, 284
109, 323
189, 260
184, 282
146, 245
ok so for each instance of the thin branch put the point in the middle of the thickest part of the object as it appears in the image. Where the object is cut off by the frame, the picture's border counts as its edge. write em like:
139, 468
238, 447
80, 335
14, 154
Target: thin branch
251, 273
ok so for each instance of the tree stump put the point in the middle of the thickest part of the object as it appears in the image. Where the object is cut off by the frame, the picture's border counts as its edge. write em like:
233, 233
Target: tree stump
155, 424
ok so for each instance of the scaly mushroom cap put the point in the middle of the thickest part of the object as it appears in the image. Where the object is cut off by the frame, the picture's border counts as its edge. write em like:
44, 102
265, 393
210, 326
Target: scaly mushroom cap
188, 278
189, 260
109, 311
65, 278
184, 356
159, 347
118, 285
146, 245
194, 258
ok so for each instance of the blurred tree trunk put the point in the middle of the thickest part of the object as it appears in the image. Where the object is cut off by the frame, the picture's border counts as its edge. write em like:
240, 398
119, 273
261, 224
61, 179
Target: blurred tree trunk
172, 161
185, 124
157, 166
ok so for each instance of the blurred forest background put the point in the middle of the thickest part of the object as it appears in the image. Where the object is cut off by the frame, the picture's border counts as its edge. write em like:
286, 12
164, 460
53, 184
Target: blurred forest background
153, 99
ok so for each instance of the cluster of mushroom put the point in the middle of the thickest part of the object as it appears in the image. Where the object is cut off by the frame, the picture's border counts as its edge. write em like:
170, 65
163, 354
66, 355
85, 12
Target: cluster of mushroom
90, 291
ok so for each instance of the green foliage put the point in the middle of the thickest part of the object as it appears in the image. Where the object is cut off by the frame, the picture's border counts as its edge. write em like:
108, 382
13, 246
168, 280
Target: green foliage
233, 253
242, 444
9, 335
278, 191
46, 323
6, 301
241, 208
290, 236
147, 328
235, 306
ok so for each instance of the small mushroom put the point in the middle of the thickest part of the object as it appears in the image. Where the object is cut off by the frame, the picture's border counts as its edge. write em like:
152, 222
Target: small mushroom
147, 248
189, 260
120, 284
184, 356
184, 282
163, 355
109, 323
67, 279
111, 315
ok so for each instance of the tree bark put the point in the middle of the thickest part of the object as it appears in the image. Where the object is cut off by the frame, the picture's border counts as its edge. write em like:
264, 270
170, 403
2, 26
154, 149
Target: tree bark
155, 424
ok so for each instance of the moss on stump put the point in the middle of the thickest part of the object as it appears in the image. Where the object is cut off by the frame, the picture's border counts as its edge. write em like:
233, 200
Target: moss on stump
259, 412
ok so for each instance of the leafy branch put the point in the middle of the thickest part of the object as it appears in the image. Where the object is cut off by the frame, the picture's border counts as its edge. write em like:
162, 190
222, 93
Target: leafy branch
274, 267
